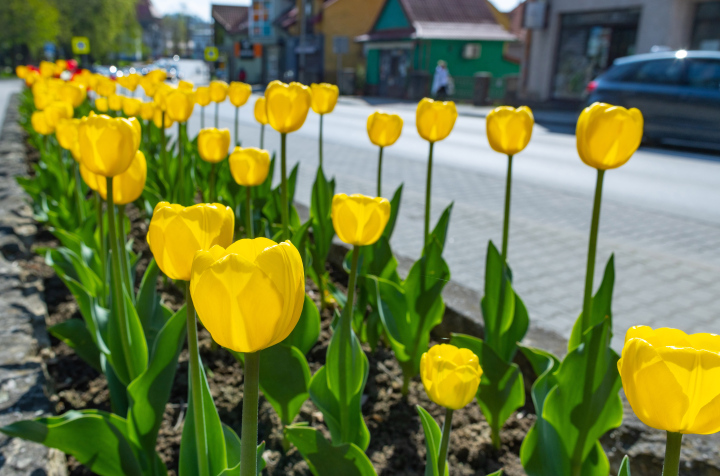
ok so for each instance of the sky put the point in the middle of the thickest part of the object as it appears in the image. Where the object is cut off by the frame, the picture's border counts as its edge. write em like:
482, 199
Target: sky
201, 8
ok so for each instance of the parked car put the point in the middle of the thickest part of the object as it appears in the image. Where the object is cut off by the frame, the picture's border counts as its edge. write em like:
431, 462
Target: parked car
678, 93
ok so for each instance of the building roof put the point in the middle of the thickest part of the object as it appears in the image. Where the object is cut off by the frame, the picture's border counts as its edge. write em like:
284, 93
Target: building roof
447, 19
233, 19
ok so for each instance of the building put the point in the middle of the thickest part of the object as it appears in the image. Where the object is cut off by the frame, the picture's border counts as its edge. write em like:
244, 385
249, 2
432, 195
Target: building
572, 41
409, 37
149, 21
231, 28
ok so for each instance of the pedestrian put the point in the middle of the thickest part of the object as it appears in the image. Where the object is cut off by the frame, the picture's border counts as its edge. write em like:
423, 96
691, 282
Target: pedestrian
442, 82
242, 76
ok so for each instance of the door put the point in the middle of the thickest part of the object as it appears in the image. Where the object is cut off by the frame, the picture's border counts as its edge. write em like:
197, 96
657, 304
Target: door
393, 72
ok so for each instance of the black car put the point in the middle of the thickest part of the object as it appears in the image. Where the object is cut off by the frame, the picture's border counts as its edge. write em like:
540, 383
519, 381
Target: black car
678, 93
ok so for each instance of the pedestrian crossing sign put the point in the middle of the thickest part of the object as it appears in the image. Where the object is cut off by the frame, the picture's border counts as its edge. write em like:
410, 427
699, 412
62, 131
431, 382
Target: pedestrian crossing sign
211, 53
80, 45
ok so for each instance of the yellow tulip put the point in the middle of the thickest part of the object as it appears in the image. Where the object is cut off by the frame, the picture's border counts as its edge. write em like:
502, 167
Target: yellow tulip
105, 86
260, 111
239, 93
57, 111
101, 104
158, 118
218, 90
129, 185
32, 77
42, 95
186, 85
132, 81
179, 104
672, 379
40, 123
250, 295
73, 93
435, 119
107, 144
149, 85
607, 136
47, 69
115, 102
213, 144
324, 97
157, 75
202, 96
21, 71
147, 111
137, 130
287, 105
176, 233
451, 376
161, 93
66, 132
509, 129
131, 106
384, 129
60, 66
249, 166
358, 219
91, 180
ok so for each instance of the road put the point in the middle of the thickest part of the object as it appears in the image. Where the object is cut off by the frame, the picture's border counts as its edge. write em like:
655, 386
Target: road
660, 215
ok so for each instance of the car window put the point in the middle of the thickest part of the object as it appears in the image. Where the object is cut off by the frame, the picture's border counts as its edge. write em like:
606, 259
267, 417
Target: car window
622, 72
665, 71
704, 73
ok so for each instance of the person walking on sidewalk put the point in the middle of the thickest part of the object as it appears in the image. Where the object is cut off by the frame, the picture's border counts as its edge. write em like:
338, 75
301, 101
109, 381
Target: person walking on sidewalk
442, 81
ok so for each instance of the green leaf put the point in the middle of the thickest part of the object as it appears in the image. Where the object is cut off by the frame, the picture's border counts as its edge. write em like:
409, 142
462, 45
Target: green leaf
501, 389
325, 459
96, 439
233, 445
439, 233
148, 394
496, 473
152, 314
394, 210
502, 333
306, 332
128, 367
320, 208
433, 436
601, 305
624, 467
75, 334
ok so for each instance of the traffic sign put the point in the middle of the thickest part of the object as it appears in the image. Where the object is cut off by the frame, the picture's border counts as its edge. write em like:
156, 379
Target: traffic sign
80, 45
211, 53
341, 45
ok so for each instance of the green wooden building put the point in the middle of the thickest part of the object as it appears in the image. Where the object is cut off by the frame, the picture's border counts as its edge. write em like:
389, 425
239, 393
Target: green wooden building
410, 37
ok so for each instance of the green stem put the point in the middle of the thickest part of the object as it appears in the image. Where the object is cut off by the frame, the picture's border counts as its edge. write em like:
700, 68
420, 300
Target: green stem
237, 138
163, 152
671, 466
346, 330
248, 213
495, 436
503, 255
447, 427
213, 197
320, 141
103, 249
428, 193
117, 281
123, 251
202, 117
262, 136
592, 251
217, 110
406, 384
249, 433
181, 170
78, 192
196, 385
379, 180
284, 205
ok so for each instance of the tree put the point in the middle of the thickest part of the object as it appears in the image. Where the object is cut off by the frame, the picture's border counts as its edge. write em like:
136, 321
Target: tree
25, 26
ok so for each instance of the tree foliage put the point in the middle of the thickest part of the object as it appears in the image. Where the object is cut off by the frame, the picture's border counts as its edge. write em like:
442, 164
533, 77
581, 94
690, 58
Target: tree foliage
27, 24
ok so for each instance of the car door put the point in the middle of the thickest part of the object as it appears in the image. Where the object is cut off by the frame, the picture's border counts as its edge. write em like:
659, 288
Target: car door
701, 99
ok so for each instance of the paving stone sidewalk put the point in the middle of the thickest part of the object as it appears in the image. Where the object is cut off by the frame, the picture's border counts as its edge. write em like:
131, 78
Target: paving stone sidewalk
667, 267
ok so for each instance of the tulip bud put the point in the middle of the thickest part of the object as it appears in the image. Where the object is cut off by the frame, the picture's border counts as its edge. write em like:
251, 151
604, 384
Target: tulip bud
101, 104
157, 75
287, 105
149, 85
358, 219
91, 180
47, 69
435, 119
324, 97
218, 90
239, 93
137, 130
213, 144
176, 233
158, 118
161, 93
260, 111
384, 129
250, 166
509, 129
607, 136
42, 96
250, 295
73, 93
105, 86
57, 111
115, 102
186, 85
451, 376
32, 77
179, 104
147, 111
202, 96
107, 144
21, 71
129, 185
66, 133
132, 81
131, 106
40, 124
60, 66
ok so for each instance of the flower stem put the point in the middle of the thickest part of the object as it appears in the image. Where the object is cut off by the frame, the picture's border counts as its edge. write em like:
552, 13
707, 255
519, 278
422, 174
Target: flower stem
284, 205
346, 330
248, 213
237, 137
671, 466
202, 117
592, 251
78, 192
249, 432
503, 255
163, 152
442, 456
196, 385
320, 141
213, 196
103, 249
428, 193
217, 110
379, 180
123, 251
181, 170
262, 136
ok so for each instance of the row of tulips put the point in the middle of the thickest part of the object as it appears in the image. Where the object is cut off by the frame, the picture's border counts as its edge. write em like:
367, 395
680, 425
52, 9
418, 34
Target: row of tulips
250, 294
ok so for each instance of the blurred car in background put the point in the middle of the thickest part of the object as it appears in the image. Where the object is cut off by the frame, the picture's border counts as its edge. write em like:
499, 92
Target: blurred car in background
678, 93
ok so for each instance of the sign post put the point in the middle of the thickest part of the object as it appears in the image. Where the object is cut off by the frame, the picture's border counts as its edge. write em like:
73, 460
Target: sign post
81, 47
211, 54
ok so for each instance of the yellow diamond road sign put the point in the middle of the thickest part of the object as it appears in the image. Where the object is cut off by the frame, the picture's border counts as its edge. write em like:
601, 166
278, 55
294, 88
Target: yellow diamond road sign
211, 53
80, 45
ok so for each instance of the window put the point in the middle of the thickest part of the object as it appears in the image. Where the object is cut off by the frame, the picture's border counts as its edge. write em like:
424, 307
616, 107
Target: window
666, 71
704, 73
622, 72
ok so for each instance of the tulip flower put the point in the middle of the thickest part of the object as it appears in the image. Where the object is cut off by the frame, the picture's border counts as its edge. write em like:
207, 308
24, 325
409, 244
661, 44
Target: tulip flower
451, 377
249, 297
91, 180
287, 107
57, 111
238, 93
218, 93
32, 77
607, 136
105, 86
157, 75
42, 96
202, 99
66, 132
101, 104
213, 145
179, 104
115, 102
249, 167
359, 220
40, 123
383, 130
129, 185
47, 69
161, 93
60, 66
324, 99
161, 120
131, 106
670, 380
261, 117
21, 71
107, 145
149, 85
186, 85
132, 82
434, 120
73, 93
147, 111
